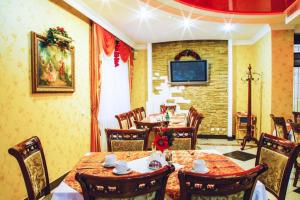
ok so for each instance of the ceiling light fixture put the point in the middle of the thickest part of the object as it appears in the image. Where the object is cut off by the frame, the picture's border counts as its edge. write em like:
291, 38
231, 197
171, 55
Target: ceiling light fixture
144, 13
228, 27
187, 22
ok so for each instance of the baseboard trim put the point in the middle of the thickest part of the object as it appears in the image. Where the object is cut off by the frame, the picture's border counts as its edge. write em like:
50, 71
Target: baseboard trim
56, 182
216, 137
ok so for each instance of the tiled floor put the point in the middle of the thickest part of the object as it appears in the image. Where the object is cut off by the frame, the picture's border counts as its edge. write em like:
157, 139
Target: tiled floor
225, 146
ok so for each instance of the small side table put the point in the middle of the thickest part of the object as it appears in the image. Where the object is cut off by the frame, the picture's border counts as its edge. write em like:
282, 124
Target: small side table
241, 125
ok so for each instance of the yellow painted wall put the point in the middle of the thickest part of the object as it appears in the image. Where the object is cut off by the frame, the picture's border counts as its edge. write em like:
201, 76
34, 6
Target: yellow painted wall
62, 121
259, 56
282, 72
139, 83
262, 90
271, 56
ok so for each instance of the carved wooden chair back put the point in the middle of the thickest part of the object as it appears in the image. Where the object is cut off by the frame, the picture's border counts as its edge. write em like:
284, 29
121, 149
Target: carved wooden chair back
280, 155
184, 137
127, 140
171, 108
137, 114
296, 130
296, 117
189, 116
150, 126
142, 112
31, 159
123, 120
197, 119
143, 186
131, 118
231, 186
280, 126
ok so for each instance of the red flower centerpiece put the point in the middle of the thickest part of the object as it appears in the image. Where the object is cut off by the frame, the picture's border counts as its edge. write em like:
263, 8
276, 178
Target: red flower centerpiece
163, 139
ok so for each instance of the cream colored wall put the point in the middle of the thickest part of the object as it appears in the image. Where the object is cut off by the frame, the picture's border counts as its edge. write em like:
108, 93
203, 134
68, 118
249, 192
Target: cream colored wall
139, 83
61, 121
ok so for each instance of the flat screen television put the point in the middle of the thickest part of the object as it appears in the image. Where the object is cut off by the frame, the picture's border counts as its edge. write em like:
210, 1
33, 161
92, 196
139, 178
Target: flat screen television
188, 72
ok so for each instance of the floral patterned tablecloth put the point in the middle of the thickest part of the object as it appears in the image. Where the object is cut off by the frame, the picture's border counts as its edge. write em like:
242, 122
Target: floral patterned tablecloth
91, 164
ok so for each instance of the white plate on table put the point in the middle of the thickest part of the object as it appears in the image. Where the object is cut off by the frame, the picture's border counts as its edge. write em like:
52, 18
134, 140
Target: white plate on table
206, 170
128, 171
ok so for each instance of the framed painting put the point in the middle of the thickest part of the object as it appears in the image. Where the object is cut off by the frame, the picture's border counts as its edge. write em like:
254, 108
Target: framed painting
52, 66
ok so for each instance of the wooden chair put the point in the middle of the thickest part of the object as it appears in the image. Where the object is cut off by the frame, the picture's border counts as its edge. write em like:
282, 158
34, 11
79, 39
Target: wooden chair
196, 121
280, 155
140, 113
150, 126
231, 186
280, 127
184, 138
137, 114
296, 117
190, 113
131, 118
31, 159
171, 108
127, 140
296, 130
143, 186
123, 121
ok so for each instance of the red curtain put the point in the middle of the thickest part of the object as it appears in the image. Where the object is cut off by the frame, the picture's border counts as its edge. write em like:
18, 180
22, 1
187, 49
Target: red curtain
108, 42
102, 39
126, 53
95, 86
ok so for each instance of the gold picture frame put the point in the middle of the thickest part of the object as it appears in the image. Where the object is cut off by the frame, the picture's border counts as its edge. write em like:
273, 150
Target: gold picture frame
52, 66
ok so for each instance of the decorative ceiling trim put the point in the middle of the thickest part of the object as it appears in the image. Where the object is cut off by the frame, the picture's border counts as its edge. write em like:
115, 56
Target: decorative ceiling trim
180, 9
85, 10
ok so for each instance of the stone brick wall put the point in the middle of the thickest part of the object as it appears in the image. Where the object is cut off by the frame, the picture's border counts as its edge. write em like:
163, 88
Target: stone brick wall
210, 99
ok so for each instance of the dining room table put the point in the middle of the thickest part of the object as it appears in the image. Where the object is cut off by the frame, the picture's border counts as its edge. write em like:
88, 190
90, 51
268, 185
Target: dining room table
92, 163
176, 119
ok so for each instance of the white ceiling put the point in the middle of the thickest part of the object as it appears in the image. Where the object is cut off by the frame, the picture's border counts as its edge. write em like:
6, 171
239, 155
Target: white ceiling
161, 26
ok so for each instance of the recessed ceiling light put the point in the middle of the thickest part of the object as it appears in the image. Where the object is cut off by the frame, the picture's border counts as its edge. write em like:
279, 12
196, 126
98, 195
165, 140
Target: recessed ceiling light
187, 22
228, 27
144, 13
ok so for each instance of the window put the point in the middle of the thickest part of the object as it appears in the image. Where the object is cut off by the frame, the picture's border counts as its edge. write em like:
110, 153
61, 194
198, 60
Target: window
296, 98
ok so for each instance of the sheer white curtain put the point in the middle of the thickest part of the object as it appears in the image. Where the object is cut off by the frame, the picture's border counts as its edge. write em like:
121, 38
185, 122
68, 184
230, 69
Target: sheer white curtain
115, 94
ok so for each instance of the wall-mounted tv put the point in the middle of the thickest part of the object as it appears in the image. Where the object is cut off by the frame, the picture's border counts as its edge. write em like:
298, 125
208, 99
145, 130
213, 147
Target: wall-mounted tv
188, 72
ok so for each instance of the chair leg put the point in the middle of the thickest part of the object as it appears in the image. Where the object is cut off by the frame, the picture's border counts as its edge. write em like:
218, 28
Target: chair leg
296, 175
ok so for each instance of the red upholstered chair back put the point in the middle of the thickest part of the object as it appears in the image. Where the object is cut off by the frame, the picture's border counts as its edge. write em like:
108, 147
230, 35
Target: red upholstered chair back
231, 186
31, 159
144, 186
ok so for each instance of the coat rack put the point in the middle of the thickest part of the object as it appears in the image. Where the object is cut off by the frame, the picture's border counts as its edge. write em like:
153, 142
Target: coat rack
250, 129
